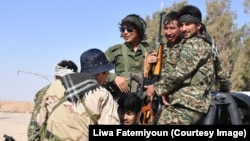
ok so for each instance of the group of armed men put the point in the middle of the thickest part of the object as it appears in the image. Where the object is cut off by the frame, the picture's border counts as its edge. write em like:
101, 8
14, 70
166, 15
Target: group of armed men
96, 95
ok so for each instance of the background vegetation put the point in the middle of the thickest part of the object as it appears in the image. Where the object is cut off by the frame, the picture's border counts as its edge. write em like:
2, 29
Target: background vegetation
232, 40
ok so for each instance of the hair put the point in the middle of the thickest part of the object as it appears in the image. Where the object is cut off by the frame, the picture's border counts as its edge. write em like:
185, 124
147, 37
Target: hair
69, 64
172, 15
130, 102
137, 22
192, 11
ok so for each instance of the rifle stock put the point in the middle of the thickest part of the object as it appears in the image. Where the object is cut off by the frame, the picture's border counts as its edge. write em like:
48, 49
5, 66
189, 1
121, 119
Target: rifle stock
147, 114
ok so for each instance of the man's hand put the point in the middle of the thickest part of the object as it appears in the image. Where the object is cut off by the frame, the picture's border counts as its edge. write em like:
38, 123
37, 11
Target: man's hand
165, 100
152, 58
121, 83
150, 91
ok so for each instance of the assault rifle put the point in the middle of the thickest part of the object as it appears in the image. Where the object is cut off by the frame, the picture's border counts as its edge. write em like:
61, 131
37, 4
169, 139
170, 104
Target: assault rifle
8, 138
156, 103
148, 112
157, 73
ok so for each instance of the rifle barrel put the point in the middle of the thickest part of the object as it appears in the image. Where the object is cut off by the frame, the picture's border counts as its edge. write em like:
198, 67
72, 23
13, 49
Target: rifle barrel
159, 34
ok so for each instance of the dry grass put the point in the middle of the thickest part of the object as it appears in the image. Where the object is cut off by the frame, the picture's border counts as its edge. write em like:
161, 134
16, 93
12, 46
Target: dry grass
14, 119
16, 106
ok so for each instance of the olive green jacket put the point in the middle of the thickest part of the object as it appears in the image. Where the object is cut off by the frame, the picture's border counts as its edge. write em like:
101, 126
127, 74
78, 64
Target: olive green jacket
134, 61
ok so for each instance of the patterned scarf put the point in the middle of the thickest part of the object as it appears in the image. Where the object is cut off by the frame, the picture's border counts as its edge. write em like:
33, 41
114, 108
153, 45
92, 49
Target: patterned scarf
204, 34
77, 85
61, 71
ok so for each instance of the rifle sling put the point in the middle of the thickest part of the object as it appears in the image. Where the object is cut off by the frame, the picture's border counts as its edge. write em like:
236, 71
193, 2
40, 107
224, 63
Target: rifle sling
92, 117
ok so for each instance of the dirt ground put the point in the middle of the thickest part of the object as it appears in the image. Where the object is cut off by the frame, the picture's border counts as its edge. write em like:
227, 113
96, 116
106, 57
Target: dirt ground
14, 119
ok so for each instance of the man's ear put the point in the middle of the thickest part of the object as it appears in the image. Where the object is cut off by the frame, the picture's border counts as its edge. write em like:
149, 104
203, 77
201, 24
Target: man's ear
198, 26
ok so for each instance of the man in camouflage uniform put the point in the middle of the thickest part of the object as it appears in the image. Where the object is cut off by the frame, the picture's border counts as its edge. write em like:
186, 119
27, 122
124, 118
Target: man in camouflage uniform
171, 52
129, 56
222, 82
33, 127
62, 68
86, 102
188, 84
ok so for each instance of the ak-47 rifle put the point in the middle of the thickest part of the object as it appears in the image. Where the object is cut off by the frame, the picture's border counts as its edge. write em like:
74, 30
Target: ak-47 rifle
152, 108
147, 115
157, 100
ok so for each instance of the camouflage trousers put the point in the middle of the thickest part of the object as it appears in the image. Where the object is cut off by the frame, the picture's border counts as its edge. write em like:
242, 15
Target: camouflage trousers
179, 115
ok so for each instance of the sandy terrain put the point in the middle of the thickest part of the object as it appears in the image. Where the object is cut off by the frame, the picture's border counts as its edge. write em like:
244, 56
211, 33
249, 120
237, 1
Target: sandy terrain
14, 119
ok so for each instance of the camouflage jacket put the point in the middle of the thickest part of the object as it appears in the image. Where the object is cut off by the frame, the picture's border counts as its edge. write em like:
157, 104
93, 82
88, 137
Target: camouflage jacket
221, 78
170, 57
192, 77
71, 121
54, 93
33, 127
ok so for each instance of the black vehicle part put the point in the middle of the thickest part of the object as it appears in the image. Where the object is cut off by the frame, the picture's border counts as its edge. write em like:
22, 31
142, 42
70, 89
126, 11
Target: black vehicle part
223, 110
243, 103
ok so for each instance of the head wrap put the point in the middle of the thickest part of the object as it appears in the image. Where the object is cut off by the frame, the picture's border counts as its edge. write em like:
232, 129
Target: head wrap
61, 71
189, 18
136, 20
204, 34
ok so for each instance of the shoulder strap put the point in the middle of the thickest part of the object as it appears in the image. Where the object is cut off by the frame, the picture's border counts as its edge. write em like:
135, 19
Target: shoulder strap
43, 132
59, 103
125, 55
92, 117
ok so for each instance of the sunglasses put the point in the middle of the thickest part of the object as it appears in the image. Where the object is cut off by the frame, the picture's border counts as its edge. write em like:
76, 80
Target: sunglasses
128, 28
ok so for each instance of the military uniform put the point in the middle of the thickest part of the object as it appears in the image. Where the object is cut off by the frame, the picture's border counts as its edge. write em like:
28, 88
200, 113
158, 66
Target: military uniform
84, 99
71, 122
33, 128
171, 56
221, 78
134, 63
188, 83
54, 93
